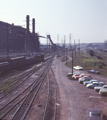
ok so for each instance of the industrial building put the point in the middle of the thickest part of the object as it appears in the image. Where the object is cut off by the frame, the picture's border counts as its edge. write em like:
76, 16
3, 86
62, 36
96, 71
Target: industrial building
16, 39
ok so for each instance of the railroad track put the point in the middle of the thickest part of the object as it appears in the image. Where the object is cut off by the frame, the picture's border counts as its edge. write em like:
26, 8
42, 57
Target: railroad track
17, 81
18, 108
50, 110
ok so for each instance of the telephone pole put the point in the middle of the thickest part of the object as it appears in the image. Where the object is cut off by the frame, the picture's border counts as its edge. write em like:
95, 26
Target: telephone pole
64, 45
79, 46
57, 41
75, 48
7, 43
72, 61
70, 42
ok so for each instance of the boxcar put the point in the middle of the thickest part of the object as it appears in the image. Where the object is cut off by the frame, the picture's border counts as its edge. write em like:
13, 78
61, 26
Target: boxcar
4, 66
17, 62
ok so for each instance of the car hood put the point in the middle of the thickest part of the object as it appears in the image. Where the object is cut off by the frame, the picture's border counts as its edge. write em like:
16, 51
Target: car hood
89, 84
77, 76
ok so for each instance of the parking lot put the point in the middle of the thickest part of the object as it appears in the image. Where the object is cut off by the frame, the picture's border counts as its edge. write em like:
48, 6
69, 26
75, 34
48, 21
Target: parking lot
74, 98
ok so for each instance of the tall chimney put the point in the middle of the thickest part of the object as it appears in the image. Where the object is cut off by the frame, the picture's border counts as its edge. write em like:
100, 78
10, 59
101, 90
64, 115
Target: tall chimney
33, 26
27, 23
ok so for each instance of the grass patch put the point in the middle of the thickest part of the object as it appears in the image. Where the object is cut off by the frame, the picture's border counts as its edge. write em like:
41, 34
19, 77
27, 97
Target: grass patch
7, 86
88, 62
64, 59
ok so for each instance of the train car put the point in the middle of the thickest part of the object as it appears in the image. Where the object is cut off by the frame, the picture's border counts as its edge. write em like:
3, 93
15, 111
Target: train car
30, 60
17, 62
34, 59
39, 58
4, 66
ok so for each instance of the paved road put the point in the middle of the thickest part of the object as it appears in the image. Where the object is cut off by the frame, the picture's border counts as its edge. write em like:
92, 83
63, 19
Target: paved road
75, 98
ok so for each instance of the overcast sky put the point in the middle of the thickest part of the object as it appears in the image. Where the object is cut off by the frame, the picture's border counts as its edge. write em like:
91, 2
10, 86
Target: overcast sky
84, 19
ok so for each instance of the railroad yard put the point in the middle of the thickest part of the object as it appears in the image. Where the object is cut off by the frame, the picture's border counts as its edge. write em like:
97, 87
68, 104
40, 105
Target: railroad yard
44, 92
53, 67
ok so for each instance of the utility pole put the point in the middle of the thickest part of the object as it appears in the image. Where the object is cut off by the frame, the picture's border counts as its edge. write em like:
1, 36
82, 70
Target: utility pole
75, 48
79, 46
70, 41
72, 61
7, 43
57, 41
47, 45
64, 45
66, 54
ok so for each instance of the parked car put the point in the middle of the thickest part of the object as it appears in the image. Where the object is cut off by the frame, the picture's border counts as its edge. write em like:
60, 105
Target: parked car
89, 82
94, 114
81, 75
85, 78
78, 67
94, 84
94, 71
76, 74
103, 91
98, 88
71, 75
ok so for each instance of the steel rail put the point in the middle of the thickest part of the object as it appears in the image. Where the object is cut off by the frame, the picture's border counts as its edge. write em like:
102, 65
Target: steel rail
26, 98
46, 106
25, 113
29, 74
18, 78
47, 98
55, 95
18, 96
23, 117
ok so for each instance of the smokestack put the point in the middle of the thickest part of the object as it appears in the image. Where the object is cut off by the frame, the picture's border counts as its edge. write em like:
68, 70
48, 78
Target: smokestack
27, 23
33, 26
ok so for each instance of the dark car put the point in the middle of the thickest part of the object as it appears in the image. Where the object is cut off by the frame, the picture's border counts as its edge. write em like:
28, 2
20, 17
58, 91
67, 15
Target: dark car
94, 114
94, 71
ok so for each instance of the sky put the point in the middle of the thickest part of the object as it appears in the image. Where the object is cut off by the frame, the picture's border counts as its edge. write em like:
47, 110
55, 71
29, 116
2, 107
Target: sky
83, 19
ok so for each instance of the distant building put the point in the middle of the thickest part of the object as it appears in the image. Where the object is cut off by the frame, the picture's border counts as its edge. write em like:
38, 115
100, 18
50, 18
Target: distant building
90, 45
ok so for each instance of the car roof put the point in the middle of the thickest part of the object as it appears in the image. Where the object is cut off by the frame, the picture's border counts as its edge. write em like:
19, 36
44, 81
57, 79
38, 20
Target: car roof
96, 82
84, 75
101, 82
93, 80
94, 110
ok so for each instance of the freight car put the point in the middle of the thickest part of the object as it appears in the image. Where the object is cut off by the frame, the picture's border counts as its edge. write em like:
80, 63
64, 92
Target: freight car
18, 62
5, 66
30, 60
34, 59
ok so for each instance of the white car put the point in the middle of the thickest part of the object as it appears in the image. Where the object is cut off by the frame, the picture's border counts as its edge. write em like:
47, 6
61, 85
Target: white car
94, 84
103, 91
89, 82
85, 78
75, 73
78, 67
98, 88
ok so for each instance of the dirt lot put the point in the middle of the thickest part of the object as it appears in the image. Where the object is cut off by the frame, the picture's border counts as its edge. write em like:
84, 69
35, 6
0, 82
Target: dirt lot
74, 98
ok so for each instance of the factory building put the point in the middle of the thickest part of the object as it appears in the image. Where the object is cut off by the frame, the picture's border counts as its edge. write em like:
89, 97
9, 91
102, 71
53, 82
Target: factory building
18, 39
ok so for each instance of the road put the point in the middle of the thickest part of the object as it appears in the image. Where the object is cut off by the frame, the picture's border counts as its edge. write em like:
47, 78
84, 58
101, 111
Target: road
74, 98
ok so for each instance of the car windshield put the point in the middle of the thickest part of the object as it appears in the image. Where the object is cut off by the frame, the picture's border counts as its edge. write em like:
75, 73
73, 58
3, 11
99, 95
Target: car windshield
94, 114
